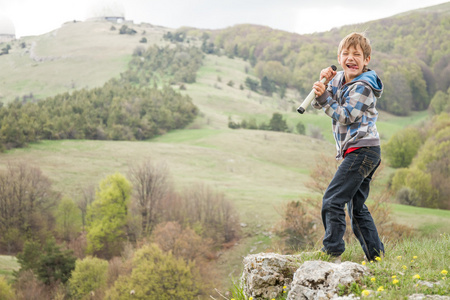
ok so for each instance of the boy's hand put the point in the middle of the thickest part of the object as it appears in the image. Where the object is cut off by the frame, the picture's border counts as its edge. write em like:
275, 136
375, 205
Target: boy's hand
328, 73
319, 87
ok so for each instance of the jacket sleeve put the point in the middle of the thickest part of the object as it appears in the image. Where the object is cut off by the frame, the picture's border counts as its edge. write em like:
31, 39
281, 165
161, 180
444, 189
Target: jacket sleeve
328, 92
356, 100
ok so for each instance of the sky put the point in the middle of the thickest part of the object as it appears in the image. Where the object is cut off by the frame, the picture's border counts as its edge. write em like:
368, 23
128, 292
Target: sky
35, 17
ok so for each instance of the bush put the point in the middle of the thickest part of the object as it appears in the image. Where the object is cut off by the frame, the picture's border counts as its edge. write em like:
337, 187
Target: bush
156, 275
300, 128
6, 291
90, 274
48, 262
408, 196
403, 146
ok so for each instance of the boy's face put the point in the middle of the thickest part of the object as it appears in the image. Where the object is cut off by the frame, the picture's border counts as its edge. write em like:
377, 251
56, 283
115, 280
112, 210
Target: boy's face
353, 62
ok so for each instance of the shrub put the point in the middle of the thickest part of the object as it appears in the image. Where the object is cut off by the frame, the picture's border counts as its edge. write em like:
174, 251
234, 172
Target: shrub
89, 275
6, 291
48, 262
300, 128
156, 275
403, 146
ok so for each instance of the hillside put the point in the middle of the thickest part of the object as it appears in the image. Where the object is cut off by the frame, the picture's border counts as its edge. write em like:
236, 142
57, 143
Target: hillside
76, 56
410, 52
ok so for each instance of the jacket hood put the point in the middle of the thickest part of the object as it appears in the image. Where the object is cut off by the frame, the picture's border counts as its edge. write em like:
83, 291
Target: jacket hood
371, 78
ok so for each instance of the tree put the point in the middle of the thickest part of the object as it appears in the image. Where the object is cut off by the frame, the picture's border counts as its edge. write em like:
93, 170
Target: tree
67, 219
107, 216
301, 128
26, 203
277, 123
267, 86
6, 291
87, 197
48, 262
252, 84
151, 185
440, 102
89, 275
156, 275
403, 146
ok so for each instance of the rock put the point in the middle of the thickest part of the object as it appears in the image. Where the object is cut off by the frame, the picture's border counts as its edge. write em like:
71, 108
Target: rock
266, 274
422, 296
427, 283
320, 279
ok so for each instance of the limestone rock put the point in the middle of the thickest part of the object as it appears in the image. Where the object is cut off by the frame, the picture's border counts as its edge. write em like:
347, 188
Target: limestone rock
265, 274
320, 279
422, 296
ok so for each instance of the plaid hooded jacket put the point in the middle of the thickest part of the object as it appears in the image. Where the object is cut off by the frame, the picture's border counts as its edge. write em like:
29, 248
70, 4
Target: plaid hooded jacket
351, 107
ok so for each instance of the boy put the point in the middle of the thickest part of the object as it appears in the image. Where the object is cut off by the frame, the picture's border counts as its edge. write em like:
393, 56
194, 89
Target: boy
350, 100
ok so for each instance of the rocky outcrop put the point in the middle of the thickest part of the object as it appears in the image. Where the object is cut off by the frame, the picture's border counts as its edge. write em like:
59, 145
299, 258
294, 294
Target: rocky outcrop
268, 275
321, 279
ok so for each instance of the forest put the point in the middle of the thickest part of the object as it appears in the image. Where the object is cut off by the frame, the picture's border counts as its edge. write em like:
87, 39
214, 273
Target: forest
411, 52
123, 109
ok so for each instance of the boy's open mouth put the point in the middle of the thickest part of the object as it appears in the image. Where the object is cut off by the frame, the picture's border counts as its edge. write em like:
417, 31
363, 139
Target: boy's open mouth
353, 67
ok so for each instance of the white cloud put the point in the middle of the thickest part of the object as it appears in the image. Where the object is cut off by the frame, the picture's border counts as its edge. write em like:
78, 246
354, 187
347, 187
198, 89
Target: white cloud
33, 17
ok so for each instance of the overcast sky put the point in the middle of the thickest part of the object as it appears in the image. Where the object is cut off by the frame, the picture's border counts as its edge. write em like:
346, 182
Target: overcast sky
35, 17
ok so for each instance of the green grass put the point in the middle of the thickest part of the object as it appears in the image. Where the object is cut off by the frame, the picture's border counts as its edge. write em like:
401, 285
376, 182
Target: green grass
77, 55
427, 221
400, 273
8, 264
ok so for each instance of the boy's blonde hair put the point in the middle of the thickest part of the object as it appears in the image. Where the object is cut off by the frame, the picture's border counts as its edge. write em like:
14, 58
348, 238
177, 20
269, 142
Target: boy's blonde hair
354, 39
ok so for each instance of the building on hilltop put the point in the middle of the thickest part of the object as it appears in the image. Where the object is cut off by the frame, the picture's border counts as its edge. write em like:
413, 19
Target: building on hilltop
7, 30
111, 11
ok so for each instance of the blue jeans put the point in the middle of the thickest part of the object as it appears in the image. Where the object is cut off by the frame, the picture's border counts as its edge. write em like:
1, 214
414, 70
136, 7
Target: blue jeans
351, 185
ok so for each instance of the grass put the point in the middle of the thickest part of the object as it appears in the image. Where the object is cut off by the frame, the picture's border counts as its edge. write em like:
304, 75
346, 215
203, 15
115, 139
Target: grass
411, 266
8, 264
427, 221
77, 55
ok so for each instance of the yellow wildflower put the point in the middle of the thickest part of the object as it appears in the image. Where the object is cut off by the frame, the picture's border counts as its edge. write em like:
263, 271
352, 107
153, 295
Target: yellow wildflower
404, 267
399, 257
395, 281
365, 293
380, 289
378, 258
394, 276
373, 279
412, 260
444, 272
371, 261
417, 276
363, 263
284, 287
251, 298
414, 257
